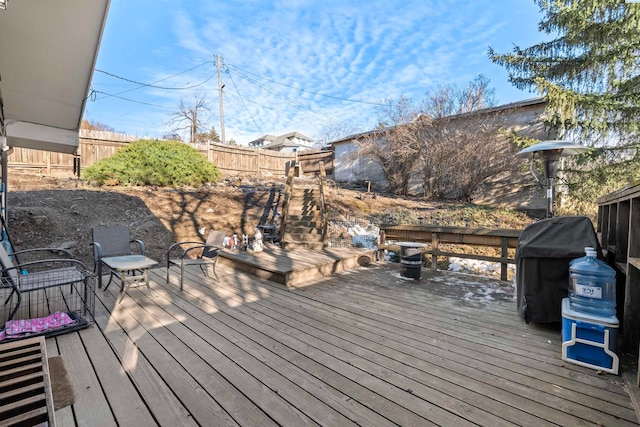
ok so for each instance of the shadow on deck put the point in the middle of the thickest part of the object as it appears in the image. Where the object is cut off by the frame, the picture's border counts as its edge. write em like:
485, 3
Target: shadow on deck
362, 347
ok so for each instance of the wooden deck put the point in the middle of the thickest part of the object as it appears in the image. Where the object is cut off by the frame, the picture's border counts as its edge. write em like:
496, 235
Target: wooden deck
299, 267
365, 347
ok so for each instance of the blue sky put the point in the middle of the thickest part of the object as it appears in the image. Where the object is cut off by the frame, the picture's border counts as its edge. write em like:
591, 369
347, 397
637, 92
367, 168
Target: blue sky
296, 65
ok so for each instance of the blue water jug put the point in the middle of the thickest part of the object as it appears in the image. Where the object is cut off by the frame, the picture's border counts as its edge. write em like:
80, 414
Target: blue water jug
592, 287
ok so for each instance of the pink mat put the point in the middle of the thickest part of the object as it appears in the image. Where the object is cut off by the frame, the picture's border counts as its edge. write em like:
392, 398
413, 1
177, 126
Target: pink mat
25, 327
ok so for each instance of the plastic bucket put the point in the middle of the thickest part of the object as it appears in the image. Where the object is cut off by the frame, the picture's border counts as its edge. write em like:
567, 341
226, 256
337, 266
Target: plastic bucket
411, 260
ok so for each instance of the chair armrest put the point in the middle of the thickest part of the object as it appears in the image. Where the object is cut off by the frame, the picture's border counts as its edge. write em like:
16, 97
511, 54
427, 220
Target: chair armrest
140, 244
97, 254
46, 262
56, 250
184, 252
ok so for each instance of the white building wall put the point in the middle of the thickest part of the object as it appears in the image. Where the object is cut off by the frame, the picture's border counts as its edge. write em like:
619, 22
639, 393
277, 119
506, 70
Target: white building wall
351, 167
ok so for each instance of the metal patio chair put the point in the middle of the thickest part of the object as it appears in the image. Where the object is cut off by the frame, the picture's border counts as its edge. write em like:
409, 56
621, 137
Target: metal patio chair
208, 254
113, 249
51, 284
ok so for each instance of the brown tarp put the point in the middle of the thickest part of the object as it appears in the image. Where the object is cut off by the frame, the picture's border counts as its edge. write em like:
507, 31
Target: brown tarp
543, 253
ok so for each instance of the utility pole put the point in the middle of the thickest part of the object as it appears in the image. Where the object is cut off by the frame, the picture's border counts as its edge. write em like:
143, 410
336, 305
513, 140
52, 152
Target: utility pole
220, 87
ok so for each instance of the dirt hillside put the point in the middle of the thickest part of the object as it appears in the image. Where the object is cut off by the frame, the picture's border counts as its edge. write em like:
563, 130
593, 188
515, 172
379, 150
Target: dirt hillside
45, 211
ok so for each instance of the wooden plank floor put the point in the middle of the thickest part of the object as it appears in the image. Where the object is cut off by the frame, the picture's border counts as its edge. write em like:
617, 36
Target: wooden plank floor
366, 347
296, 268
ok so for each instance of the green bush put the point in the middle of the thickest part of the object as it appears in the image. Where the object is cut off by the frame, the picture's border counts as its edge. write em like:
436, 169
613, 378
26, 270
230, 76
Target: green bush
162, 163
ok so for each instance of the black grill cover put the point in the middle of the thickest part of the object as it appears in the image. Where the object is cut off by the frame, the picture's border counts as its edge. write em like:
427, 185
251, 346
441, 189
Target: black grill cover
542, 264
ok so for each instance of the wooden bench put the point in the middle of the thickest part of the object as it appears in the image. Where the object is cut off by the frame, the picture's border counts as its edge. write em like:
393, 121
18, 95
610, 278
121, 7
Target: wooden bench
25, 385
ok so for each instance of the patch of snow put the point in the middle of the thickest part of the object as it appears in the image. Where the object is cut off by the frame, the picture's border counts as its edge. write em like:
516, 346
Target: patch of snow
476, 266
397, 275
454, 266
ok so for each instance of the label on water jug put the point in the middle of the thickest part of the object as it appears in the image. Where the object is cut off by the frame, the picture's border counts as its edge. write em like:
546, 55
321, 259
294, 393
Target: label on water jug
589, 291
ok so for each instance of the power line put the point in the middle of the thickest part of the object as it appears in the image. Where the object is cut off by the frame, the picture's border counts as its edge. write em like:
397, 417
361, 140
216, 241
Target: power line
152, 85
141, 85
286, 98
245, 105
93, 91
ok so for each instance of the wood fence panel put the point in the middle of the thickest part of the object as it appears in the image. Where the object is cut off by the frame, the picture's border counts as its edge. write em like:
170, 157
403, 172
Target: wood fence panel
310, 161
274, 163
230, 159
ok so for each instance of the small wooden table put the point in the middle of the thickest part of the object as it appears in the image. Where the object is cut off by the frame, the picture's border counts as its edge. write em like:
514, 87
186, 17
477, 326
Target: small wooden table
130, 269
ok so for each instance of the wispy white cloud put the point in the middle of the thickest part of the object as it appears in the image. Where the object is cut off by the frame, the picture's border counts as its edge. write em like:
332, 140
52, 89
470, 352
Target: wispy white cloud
317, 52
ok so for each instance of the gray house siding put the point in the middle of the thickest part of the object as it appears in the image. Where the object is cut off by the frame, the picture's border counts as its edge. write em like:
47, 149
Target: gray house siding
523, 118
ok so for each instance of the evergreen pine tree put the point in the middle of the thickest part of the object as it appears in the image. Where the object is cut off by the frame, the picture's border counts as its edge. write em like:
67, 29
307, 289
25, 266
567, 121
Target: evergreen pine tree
589, 73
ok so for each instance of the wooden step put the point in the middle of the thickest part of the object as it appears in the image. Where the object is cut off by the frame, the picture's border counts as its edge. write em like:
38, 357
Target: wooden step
295, 268
295, 229
304, 211
302, 227
302, 206
316, 217
302, 192
302, 237
313, 246
304, 202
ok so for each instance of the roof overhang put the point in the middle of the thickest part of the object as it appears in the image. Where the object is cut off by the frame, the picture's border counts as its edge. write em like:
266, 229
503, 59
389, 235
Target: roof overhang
48, 50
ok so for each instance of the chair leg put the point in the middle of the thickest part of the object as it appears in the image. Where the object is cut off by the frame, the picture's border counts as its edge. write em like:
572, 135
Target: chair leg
213, 266
123, 281
9, 297
98, 266
181, 275
85, 283
15, 310
110, 279
145, 274
205, 269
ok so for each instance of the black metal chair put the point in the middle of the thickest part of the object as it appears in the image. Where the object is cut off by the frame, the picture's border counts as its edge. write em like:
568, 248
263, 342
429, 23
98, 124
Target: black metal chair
110, 242
210, 252
53, 284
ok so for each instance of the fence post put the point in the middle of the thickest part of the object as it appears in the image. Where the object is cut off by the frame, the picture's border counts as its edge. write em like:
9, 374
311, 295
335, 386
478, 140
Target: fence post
434, 251
504, 255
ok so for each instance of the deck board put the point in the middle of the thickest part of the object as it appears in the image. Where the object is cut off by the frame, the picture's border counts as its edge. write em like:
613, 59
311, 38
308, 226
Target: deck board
365, 347
111, 374
223, 364
295, 268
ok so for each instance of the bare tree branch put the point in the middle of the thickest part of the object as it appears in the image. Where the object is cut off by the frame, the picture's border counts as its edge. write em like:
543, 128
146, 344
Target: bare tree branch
445, 143
190, 116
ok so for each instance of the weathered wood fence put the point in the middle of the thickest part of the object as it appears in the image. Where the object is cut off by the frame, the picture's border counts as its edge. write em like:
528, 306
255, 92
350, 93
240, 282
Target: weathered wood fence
230, 159
502, 238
